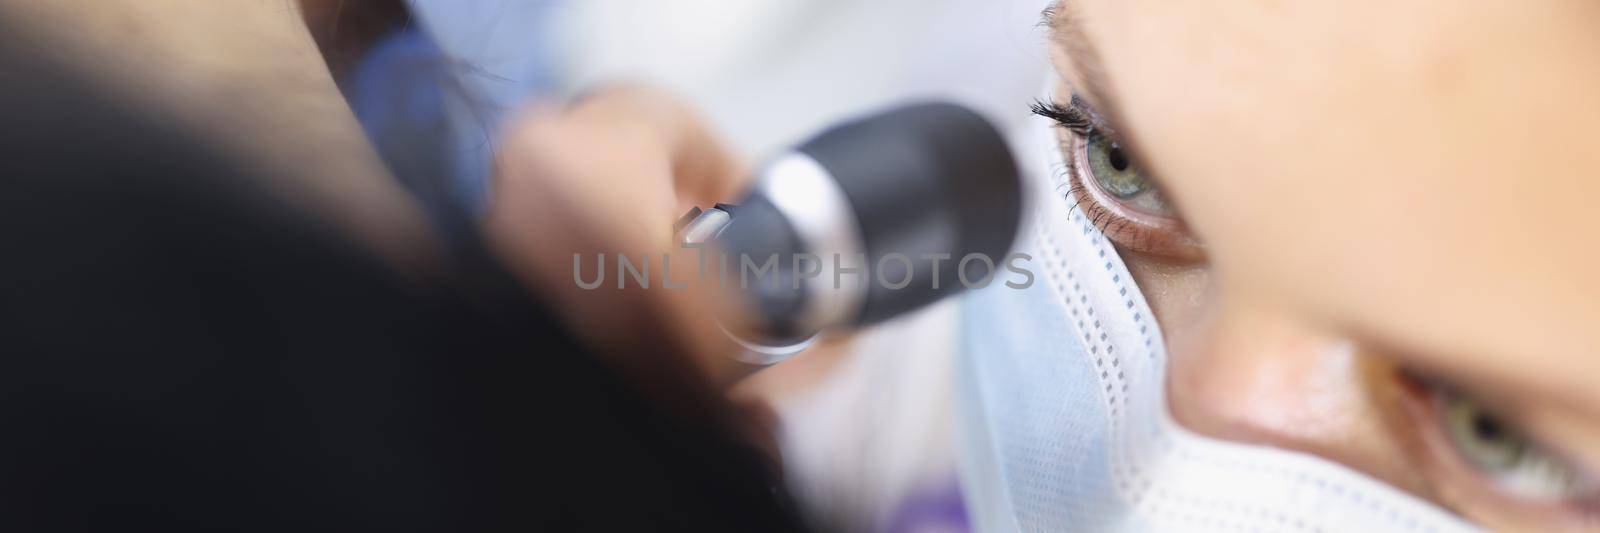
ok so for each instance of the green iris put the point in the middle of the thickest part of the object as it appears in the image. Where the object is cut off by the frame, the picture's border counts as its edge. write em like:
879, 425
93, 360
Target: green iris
1504, 454
1112, 169
1114, 172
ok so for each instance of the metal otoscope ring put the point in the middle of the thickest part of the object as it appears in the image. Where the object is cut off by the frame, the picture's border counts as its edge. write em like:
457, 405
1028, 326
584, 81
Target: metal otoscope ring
699, 227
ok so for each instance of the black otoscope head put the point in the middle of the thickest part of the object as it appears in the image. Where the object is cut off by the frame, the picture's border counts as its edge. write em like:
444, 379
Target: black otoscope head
874, 218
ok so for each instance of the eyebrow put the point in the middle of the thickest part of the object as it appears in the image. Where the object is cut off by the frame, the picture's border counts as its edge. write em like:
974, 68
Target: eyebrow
1066, 31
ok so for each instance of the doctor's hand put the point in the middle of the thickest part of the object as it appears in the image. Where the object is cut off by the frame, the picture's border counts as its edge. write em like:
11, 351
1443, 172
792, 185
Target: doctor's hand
608, 176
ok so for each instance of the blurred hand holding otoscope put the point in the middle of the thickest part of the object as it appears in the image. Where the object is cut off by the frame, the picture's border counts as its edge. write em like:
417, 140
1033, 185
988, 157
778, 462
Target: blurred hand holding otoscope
865, 221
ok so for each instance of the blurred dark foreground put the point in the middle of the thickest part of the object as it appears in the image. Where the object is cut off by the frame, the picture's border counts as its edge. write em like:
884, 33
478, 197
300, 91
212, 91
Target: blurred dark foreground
181, 352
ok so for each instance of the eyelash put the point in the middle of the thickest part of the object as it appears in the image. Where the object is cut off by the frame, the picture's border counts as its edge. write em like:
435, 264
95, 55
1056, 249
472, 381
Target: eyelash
1072, 118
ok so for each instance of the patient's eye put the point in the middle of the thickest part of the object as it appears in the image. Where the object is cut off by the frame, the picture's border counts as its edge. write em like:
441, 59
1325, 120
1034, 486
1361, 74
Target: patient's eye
1124, 201
1116, 174
1503, 454
1485, 466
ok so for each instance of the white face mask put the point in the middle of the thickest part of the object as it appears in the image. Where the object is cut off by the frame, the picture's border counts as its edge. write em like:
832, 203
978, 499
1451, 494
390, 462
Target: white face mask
1064, 417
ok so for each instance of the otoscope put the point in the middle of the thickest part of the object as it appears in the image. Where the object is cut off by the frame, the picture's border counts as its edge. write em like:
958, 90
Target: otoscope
864, 222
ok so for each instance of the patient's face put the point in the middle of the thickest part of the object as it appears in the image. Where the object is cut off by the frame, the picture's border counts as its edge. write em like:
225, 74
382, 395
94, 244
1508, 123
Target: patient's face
1365, 226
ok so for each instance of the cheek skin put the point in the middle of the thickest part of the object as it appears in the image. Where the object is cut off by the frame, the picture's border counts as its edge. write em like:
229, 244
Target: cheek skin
1177, 292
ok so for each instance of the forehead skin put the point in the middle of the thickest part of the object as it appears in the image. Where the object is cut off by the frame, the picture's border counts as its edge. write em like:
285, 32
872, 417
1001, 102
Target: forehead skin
1419, 175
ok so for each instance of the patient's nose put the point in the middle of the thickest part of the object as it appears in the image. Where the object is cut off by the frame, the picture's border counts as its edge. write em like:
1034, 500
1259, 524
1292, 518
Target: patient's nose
1255, 375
